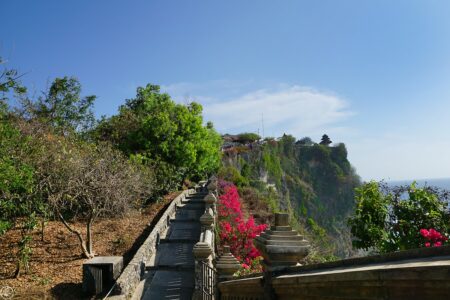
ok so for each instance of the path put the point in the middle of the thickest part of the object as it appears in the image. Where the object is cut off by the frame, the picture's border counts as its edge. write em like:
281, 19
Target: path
170, 274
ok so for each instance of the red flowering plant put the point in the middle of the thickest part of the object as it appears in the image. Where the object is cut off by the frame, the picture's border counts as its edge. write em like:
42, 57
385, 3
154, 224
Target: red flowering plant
432, 237
235, 231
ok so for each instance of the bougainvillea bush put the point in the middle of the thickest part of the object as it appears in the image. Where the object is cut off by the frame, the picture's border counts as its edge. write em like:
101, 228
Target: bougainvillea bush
236, 231
432, 237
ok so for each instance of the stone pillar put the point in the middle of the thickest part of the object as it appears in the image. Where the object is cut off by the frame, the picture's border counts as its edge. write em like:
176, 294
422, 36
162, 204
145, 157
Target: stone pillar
207, 219
210, 201
226, 265
212, 186
202, 253
280, 247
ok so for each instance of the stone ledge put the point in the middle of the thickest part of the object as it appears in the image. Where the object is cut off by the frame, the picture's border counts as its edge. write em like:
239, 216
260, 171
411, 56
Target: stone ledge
424, 277
133, 272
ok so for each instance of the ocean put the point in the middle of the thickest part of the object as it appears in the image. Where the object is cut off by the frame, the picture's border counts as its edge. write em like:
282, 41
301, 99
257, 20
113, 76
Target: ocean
443, 183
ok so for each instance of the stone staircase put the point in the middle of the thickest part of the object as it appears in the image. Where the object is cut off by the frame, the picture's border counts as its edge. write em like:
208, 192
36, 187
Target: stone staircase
170, 274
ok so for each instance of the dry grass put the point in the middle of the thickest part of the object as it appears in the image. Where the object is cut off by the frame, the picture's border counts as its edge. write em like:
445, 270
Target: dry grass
56, 262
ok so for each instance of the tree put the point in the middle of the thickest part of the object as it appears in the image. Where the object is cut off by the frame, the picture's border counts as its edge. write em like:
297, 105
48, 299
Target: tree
87, 181
390, 219
247, 137
9, 81
306, 141
62, 106
17, 208
368, 224
325, 140
157, 131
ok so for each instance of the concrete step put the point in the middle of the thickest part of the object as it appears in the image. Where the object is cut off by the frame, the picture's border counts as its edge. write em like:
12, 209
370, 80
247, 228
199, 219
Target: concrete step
170, 268
191, 206
171, 241
183, 214
174, 254
171, 285
184, 230
183, 219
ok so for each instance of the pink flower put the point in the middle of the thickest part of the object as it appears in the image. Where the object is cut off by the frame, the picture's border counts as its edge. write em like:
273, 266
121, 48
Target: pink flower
427, 244
424, 233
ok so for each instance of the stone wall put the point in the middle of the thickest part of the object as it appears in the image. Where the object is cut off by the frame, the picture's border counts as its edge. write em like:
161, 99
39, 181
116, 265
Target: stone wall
414, 274
133, 272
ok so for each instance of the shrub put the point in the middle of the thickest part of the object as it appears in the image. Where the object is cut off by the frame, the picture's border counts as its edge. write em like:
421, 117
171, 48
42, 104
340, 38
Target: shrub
234, 230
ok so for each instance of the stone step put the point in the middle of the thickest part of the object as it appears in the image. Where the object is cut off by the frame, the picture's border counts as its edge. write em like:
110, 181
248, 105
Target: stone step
170, 268
171, 241
184, 230
191, 207
188, 213
171, 285
173, 254
183, 219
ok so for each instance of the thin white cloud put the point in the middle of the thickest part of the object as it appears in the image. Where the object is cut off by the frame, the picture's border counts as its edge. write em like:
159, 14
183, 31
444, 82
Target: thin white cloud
285, 108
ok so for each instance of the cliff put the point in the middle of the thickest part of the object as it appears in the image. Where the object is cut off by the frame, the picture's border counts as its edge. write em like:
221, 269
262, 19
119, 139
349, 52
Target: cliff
313, 182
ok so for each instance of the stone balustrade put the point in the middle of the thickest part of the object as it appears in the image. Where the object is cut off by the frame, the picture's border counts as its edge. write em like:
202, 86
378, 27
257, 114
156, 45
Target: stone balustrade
133, 272
204, 251
414, 274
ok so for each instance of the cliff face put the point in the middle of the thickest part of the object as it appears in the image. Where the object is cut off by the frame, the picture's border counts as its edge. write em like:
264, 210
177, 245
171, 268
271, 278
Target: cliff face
314, 183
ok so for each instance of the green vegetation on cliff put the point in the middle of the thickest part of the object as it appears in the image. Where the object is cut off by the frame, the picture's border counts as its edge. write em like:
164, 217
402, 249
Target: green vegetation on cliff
313, 182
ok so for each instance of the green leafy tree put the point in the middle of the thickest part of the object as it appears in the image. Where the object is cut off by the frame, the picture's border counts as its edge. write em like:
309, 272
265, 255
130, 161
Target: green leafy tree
306, 141
368, 224
17, 207
62, 106
9, 81
390, 219
247, 137
165, 134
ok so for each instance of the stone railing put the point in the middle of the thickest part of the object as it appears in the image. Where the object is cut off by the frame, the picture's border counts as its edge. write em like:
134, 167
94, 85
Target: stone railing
205, 250
133, 272
414, 274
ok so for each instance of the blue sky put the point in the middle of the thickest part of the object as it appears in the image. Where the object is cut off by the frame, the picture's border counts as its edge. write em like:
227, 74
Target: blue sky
372, 74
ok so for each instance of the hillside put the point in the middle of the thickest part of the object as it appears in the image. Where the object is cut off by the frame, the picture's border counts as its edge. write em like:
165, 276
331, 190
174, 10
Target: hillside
313, 182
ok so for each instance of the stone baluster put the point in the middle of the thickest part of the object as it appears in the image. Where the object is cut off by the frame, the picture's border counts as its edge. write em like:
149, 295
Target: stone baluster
203, 253
226, 265
280, 247
212, 186
210, 202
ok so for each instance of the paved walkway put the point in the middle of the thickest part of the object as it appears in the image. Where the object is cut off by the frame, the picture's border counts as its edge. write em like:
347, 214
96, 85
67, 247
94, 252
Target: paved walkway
170, 275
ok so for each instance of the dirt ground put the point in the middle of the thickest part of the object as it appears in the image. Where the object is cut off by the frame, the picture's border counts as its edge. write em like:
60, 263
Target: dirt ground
56, 262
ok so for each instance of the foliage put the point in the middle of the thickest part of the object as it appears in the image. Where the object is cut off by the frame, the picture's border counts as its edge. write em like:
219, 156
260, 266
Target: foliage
234, 230
247, 137
153, 126
87, 181
232, 174
9, 81
325, 140
369, 221
314, 182
306, 141
16, 178
62, 107
391, 219
17, 207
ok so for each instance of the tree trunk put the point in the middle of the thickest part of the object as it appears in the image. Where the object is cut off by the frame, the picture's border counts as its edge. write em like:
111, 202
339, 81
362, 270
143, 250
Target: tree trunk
89, 235
42, 229
85, 252
17, 272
